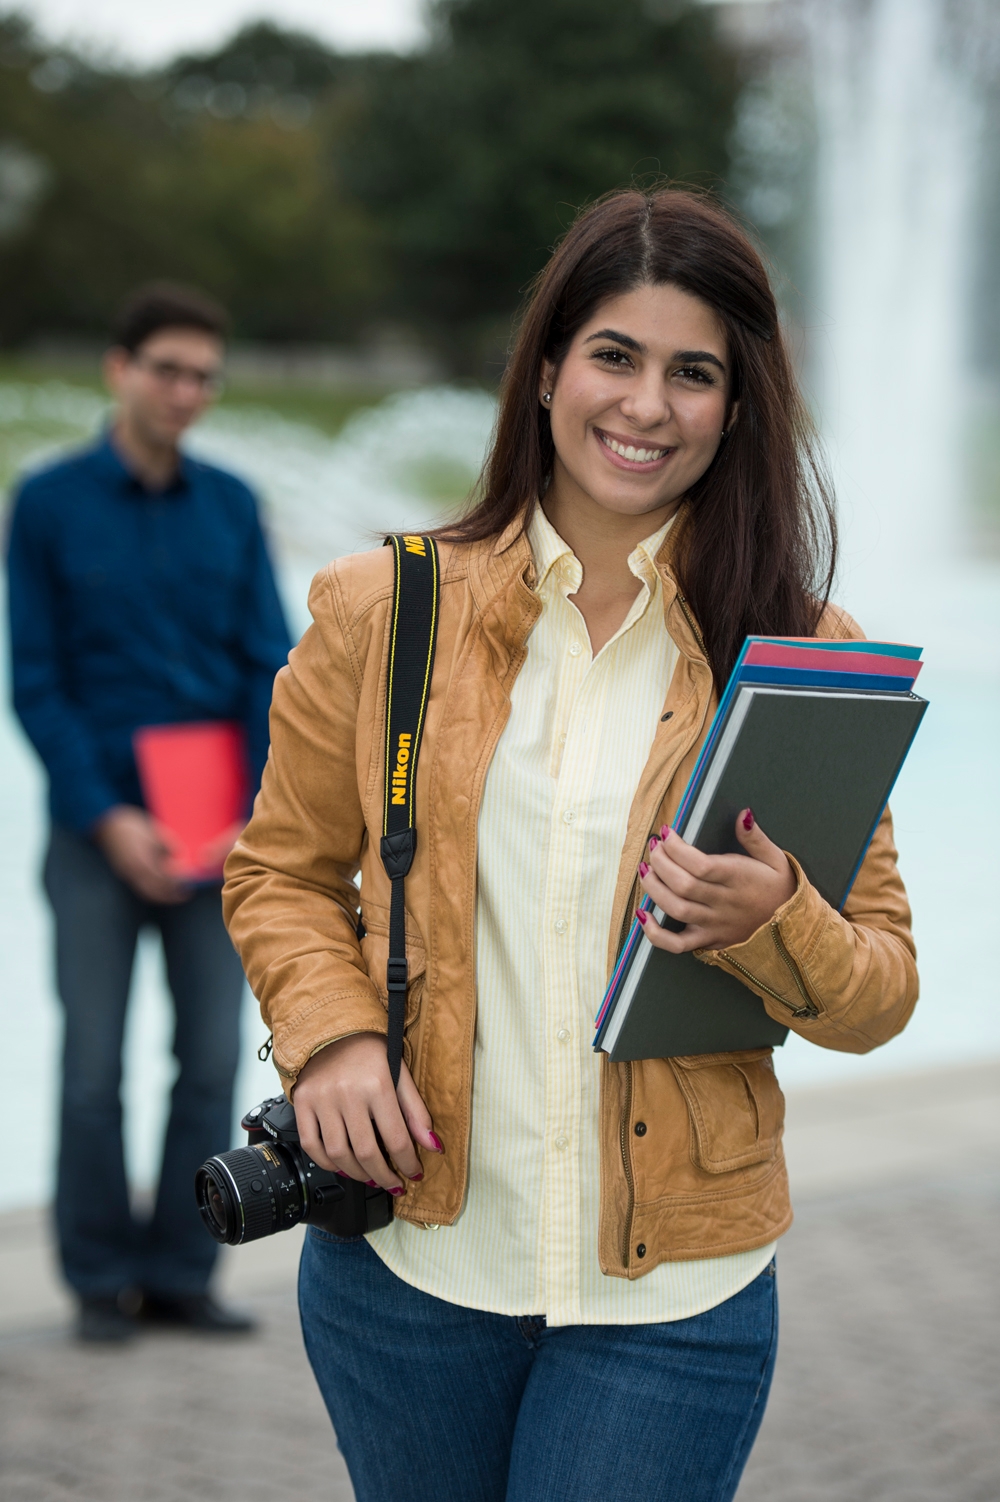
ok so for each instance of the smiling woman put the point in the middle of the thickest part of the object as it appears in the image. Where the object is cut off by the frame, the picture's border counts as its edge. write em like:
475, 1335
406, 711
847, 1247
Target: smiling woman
654, 327
597, 1310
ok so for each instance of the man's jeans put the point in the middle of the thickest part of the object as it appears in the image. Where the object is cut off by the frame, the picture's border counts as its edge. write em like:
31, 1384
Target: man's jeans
98, 918
435, 1403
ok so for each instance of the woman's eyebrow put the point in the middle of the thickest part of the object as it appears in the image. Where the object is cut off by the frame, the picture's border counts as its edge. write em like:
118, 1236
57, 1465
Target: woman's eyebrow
691, 356
625, 339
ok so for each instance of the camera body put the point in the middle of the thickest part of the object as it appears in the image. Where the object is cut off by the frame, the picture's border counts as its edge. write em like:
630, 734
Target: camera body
271, 1185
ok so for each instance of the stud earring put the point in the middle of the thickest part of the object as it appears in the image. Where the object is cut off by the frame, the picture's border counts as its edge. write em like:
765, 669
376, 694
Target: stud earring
546, 396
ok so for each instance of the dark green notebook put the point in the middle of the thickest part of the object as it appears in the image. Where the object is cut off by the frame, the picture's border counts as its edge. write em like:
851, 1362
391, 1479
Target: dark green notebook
817, 768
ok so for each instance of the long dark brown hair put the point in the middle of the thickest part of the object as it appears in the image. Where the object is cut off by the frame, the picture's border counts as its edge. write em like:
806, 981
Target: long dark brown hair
757, 557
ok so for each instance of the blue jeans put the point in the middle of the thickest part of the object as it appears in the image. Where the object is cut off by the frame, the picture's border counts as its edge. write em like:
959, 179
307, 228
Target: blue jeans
435, 1403
97, 922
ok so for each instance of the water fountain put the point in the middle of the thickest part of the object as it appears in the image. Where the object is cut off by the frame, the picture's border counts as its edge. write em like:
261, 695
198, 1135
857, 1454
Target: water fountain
899, 131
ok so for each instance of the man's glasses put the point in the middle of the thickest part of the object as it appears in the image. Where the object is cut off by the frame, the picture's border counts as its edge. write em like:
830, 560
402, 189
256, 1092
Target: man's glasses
169, 373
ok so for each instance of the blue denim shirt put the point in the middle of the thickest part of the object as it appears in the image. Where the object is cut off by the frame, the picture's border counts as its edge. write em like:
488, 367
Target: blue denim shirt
130, 607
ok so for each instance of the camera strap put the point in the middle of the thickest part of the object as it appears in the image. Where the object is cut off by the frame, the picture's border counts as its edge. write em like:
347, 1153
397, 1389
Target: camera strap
411, 660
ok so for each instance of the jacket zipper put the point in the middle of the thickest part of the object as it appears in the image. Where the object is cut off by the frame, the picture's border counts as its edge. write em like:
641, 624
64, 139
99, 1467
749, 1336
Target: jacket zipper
808, 1007
623, 1135
682, 602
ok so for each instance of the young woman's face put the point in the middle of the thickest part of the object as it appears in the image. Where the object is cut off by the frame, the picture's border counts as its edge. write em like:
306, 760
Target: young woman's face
640, 401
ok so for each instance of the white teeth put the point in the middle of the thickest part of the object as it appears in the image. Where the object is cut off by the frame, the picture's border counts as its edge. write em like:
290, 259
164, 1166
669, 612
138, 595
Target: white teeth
637, 456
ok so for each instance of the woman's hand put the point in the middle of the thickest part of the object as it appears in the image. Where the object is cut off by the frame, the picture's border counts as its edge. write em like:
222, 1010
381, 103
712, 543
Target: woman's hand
722, 899
343, 1095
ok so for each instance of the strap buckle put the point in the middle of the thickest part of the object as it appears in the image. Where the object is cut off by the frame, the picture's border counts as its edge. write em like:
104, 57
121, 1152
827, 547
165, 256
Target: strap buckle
397, 973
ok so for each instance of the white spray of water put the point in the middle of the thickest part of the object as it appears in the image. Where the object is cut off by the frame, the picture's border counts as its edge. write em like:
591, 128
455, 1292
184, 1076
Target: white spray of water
897, 127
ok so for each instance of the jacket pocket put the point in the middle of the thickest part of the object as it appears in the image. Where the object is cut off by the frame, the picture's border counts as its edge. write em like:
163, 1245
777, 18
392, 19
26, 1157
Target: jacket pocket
375, 951
735, 1105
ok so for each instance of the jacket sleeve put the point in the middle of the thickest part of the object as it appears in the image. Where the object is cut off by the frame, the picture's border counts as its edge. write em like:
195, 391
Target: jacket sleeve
81, 791
290, 901
843, 980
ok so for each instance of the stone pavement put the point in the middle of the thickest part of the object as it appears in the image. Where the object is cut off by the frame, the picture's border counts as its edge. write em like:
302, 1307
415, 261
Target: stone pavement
888, 1379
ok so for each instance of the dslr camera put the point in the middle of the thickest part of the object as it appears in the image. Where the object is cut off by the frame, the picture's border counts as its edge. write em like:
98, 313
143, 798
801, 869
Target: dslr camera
271, 1184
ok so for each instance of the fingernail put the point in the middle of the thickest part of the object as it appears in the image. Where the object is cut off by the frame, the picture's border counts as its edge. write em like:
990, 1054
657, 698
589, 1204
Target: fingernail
654, 840
341, 1174
438, 1144
748, 819
415, 1178
371, 1183
397, 1191
642, 916
643, 868
665, 831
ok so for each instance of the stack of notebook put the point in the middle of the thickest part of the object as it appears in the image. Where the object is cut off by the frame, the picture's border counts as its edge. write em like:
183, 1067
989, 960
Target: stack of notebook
811, 735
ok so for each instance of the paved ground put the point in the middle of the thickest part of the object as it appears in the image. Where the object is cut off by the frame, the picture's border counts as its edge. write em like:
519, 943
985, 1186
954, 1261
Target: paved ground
888, 1381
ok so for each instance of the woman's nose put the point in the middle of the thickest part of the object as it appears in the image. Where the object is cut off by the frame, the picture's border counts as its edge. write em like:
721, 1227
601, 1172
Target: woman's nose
647, 403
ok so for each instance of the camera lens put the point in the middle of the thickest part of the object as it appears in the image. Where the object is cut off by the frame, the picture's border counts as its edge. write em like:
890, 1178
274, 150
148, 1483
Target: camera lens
251, 1192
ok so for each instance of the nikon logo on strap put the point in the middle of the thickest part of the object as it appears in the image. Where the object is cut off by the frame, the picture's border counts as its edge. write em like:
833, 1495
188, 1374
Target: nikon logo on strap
412, 638
401, 770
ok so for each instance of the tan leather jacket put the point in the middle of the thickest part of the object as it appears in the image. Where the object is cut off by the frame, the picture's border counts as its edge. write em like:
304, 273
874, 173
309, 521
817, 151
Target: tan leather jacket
707, 1177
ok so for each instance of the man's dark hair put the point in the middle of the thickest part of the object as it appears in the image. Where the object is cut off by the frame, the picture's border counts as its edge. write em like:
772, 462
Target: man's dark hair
166, 305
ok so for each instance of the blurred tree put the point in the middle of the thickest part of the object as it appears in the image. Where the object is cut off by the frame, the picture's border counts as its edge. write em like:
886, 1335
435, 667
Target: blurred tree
475, 154
108, 179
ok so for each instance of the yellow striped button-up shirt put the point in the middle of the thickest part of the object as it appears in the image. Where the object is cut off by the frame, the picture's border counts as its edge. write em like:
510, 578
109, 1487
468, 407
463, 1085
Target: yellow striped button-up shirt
551, 830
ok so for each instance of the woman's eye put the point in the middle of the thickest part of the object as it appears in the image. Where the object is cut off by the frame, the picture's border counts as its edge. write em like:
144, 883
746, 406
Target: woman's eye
696, 373
616, 358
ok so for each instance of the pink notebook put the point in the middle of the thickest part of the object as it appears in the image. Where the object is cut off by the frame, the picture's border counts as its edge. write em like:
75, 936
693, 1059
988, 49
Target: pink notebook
816, 656
195, 783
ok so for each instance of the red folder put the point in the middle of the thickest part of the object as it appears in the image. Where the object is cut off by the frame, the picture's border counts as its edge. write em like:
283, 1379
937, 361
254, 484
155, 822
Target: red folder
195, 783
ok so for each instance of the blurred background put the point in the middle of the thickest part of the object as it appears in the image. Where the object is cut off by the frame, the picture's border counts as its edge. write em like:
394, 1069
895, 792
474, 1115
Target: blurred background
370, 187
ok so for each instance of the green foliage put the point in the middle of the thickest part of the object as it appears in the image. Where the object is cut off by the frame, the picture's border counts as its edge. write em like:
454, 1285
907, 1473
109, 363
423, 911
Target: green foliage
160, 177
475, 155
317, 194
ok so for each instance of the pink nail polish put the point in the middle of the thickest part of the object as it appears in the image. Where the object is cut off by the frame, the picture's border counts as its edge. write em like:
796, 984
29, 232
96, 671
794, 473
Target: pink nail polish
642, 916
748, 819
665, 832
397, 1191
341, 1174
415, 1178
438, 1144
371, 1183
643, 868
654, 840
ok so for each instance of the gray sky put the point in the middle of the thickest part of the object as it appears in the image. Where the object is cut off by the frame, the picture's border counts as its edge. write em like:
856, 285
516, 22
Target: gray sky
142, 31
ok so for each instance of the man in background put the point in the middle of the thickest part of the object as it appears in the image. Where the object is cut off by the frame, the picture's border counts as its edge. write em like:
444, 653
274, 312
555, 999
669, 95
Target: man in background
141, 594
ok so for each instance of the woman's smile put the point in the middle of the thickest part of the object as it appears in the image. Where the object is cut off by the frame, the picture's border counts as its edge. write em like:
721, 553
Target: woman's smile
630, 452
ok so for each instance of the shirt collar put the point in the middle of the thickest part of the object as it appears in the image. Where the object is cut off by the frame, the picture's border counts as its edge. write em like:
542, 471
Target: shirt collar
554, 557
111, 467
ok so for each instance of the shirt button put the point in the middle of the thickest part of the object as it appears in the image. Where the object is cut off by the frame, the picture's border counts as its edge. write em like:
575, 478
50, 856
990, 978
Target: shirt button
562, 1143
562, 739
575, 649
560, 925
569, 816
563, 1034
